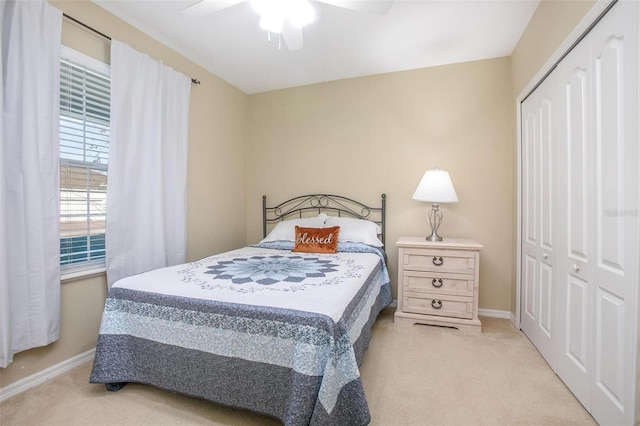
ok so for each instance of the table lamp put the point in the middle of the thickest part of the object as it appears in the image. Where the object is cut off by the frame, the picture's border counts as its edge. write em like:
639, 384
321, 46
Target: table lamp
435, 187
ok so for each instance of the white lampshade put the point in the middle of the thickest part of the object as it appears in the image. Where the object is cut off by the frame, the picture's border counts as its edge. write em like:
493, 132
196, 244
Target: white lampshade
436, 187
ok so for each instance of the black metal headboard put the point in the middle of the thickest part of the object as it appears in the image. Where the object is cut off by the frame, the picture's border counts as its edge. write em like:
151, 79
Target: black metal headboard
334, 205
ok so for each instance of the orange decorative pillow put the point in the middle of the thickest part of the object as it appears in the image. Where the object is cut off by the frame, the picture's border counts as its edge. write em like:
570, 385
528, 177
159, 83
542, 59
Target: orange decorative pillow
316, 240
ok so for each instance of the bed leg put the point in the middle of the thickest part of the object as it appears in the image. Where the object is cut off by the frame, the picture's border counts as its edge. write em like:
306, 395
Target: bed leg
115, 387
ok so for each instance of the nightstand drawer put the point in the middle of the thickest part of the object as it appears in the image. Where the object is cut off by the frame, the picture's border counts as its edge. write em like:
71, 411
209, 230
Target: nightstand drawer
453, 261
434, 304
438, 283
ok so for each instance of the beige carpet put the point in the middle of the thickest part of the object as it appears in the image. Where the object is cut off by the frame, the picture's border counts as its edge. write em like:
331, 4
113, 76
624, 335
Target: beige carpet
412, 375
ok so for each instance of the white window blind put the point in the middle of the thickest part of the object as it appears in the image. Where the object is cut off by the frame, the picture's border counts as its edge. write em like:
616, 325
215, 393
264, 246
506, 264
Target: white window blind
84, 154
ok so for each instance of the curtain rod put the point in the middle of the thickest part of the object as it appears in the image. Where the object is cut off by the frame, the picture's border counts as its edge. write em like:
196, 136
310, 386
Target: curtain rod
193, 80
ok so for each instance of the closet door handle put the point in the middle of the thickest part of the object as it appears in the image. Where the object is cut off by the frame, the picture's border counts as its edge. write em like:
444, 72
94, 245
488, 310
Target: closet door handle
438, 260
437, 283
576, 268
545, 255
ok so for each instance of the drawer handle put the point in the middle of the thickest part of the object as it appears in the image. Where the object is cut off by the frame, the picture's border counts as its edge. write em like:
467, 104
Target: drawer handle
438, 260
437, 283
436, 303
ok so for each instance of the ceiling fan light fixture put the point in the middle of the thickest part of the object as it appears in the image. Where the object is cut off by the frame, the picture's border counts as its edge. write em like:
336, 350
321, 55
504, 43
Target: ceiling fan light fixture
264, 7
300, 12
272, 23
274, 12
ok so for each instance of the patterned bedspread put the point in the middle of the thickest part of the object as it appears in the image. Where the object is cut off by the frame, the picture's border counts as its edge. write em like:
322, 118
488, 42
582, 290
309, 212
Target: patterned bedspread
259, 328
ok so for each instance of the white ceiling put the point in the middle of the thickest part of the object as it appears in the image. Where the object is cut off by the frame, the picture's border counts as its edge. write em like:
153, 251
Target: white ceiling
339, 44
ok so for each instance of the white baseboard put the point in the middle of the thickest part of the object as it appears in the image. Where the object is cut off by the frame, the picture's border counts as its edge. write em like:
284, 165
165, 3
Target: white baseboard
44, 375
514, 321
494, 313
499, 314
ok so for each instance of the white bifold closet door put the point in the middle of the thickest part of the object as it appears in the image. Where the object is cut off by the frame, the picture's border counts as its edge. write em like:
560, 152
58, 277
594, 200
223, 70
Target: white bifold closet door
579, 269
539, 192
597, 189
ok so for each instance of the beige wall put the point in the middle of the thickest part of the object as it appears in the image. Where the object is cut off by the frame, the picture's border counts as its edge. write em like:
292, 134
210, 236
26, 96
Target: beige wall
550, 25
216, 180
368, 135
364, 136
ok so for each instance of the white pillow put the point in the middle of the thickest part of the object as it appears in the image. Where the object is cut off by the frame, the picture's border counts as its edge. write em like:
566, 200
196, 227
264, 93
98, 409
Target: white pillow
285, 230
356, 230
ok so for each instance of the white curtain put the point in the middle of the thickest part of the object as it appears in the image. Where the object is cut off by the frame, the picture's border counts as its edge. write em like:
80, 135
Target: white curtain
30, 33
146, 187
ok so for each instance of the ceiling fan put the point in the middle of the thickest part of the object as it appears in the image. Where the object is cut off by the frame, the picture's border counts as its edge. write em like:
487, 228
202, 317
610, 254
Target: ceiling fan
287, 17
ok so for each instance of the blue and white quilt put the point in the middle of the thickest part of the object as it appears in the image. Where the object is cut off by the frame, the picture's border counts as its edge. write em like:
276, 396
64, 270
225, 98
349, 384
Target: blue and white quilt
260, 328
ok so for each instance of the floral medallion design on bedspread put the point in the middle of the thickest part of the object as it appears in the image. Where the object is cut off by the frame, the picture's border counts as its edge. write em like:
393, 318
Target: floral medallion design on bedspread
267, 270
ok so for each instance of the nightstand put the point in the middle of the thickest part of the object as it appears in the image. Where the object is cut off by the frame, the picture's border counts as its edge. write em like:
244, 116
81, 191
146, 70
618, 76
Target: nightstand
438, 282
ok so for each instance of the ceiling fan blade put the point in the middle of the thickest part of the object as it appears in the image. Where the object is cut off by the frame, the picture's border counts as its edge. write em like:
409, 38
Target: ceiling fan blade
371, 6
209, 6
292, 36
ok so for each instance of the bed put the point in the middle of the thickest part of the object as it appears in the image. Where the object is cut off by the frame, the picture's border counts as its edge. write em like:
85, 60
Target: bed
279, 327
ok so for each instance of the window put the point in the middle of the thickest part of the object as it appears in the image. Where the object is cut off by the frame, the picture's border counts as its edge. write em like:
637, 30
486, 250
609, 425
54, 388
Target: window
84, 153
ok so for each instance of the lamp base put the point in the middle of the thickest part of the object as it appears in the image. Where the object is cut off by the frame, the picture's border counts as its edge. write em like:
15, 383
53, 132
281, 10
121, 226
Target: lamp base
434, 237
435, 219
